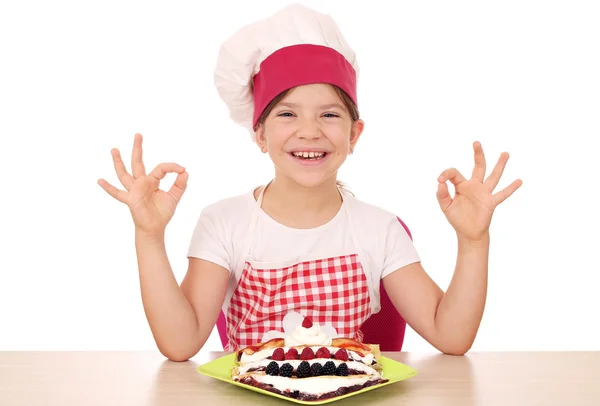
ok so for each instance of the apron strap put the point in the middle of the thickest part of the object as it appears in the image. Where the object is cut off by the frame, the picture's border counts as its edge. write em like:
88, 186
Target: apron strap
362, 258
247, 248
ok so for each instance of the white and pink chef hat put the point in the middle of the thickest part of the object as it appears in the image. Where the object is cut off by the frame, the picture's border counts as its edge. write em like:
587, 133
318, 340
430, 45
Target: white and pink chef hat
295, 46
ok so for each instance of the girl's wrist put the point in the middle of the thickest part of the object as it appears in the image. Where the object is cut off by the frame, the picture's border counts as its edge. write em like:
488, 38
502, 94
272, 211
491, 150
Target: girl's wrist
144, 237
482, 241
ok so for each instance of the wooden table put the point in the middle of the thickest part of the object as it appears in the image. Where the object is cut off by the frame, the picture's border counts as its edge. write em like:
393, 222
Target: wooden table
147, 378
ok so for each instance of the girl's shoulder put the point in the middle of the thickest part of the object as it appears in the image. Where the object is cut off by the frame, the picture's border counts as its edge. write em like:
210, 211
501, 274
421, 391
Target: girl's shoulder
370, 218
370, 211
236, 206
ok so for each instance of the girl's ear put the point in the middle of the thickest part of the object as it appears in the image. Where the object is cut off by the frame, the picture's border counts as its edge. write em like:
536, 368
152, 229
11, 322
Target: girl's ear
357, 129
261, 140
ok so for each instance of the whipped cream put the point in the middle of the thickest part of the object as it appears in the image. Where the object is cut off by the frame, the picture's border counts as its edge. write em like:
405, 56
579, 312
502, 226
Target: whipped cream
308, 336
317, 385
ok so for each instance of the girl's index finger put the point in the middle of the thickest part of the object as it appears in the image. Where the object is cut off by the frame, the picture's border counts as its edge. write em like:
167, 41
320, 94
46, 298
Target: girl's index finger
161, 170
453, 175
137, 163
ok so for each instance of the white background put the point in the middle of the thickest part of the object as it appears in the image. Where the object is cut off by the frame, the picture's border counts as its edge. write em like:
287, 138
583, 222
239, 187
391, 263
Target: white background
78, 78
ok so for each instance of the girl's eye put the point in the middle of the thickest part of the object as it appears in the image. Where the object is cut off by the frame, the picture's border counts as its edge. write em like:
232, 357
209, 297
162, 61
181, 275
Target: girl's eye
285, 114
330, 115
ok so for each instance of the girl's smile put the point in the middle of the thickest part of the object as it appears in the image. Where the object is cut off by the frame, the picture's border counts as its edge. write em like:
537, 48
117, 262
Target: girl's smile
309, 157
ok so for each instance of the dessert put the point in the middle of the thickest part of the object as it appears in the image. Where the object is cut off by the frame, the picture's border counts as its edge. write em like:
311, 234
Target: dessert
308, 364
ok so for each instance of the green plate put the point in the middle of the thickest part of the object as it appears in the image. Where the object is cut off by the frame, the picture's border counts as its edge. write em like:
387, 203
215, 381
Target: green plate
221, 369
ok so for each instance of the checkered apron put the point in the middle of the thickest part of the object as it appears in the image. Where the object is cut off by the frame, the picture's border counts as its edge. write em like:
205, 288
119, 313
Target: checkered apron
329, 290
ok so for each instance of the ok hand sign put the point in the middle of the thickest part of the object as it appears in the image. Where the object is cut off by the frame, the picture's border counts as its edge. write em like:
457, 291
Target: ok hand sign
150, 207
470, 211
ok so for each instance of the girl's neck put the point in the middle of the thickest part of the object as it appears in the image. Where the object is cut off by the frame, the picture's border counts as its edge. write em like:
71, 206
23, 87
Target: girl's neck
299, 207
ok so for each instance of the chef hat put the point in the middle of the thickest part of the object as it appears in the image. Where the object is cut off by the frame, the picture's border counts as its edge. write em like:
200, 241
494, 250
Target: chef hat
295, 46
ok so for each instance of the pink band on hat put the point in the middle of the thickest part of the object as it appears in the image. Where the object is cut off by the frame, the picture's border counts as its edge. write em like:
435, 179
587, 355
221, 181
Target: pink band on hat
298, 65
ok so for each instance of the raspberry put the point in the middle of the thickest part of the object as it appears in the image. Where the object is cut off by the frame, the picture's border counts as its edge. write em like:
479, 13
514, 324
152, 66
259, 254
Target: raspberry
341, 354
278, 354
286, 370
323, 353
272, 369
303, 370
316, 369
292, 354
342, 370
307, 322
307, 354
329, 368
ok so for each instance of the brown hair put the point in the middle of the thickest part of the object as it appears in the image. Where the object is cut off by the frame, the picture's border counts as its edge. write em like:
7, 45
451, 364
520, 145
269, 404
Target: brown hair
350, 106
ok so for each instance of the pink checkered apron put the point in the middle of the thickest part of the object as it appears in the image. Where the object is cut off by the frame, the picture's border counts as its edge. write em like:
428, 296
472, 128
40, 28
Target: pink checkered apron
329, 290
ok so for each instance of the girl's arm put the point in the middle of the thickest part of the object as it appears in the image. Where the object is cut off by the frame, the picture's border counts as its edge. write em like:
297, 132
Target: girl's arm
181, 318
449, 321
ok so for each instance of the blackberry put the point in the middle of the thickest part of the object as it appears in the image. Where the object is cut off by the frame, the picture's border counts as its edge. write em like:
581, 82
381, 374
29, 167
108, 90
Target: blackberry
329, 368
316, 369
342, 370
303, 370
286, 370
272, 368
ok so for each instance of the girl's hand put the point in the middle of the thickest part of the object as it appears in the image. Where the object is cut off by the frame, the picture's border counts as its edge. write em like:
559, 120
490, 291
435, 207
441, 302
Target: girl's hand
150, 207
470, 212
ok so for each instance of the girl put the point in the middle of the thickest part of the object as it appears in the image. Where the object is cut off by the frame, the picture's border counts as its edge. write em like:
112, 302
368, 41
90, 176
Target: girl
301, 243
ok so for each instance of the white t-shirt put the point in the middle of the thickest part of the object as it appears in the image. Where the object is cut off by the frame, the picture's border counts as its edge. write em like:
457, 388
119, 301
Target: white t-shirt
221, 237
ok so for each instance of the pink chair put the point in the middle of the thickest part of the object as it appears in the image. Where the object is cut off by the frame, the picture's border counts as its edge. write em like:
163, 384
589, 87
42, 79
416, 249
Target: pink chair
222, 327
386, 328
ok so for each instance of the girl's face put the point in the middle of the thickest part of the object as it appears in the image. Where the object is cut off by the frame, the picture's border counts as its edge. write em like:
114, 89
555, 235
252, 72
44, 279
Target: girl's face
309, 135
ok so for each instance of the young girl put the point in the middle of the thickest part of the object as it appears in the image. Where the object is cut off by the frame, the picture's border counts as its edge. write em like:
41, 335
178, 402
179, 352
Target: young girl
301, 243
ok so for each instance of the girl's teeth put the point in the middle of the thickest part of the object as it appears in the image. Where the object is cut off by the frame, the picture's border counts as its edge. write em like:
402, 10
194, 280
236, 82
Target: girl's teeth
309, 154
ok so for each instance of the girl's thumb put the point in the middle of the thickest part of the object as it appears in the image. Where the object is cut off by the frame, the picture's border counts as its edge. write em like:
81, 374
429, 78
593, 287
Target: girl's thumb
443, 196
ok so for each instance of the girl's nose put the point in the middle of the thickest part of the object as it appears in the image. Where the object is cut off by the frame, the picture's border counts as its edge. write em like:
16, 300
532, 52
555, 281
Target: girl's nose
308, 129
